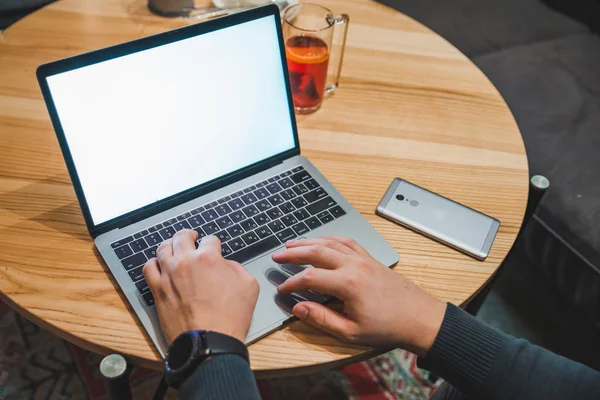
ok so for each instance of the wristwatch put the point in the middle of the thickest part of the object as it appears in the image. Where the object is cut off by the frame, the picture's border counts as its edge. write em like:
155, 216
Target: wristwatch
191, 348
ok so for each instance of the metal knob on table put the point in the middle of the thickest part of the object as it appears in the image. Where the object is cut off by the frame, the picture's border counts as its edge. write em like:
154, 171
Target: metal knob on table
115, 372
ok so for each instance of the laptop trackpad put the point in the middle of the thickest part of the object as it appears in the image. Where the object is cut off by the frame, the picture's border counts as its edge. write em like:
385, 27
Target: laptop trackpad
277, 277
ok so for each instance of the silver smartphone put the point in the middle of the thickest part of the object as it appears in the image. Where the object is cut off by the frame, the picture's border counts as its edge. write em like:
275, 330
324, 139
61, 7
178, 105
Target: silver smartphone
439, 218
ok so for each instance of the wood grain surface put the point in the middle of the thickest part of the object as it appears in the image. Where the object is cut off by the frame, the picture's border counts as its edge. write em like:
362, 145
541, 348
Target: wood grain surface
409, 105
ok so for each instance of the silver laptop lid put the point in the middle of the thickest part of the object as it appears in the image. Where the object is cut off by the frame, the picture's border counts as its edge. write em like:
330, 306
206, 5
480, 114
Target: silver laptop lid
150, 124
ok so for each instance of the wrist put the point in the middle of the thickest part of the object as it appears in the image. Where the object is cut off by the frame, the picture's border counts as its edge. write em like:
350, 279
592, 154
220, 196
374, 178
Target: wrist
202, 324
426, 327
238, 334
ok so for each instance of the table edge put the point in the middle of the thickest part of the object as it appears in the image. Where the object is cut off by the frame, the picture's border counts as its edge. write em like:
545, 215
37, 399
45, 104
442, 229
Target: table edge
156, 364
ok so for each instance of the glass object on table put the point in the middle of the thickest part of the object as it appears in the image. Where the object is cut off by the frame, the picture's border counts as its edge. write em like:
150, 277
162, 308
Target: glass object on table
240, 3
206, 9
310, 35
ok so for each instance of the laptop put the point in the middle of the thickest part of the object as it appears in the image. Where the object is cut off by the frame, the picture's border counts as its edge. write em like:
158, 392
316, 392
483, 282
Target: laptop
195, 129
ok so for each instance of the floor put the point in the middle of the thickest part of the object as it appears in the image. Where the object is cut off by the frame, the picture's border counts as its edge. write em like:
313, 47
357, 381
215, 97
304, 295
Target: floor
523, 305
35, 364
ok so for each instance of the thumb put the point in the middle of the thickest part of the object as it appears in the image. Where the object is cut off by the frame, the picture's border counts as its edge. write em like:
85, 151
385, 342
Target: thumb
326, 319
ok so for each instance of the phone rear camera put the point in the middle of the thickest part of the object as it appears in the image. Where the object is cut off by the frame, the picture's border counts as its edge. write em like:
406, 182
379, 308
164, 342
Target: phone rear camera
400, 197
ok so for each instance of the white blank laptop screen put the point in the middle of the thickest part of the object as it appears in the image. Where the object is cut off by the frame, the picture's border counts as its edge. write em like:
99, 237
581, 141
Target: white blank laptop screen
152, 124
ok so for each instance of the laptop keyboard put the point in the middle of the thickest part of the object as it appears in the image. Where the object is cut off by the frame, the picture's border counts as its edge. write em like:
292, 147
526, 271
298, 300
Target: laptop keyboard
249, 222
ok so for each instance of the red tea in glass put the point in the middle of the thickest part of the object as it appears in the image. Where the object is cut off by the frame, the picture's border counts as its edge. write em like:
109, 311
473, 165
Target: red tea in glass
308, 30
307, 59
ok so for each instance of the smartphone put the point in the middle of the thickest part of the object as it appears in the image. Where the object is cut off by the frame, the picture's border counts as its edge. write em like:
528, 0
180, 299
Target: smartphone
439, 218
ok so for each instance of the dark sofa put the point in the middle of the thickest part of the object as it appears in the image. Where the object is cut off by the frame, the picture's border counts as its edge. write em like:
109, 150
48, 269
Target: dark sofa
13, 10
546, 65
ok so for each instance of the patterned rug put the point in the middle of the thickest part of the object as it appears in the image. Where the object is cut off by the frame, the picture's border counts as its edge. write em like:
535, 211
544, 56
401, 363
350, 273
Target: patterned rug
35, 364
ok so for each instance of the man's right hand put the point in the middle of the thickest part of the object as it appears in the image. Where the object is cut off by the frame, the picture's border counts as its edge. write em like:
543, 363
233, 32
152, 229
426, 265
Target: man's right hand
381, 308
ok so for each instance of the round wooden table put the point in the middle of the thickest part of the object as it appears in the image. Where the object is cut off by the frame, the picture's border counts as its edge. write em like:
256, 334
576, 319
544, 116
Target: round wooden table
409, 105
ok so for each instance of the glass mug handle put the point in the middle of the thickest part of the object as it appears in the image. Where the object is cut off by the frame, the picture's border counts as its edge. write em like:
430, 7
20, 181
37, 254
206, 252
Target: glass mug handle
338, 20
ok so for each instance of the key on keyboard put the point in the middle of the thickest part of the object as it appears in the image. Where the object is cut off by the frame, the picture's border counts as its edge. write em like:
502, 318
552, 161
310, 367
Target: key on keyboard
276, 226
325, 217
140, 234
123, 251
275, 200
138, 245
195, 221
250, 237
235, 231
300, 189
167, 233
274, 213
155, 228
181, 225
134, 261
184, 216
209, 215
211, 228
285, 235
321, 205
287, 208
121, 242
250, 211
254, 250
236, 204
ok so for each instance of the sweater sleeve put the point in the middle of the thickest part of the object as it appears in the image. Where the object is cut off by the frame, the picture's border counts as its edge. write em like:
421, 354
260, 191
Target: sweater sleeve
482, 362
447, 392
226, 377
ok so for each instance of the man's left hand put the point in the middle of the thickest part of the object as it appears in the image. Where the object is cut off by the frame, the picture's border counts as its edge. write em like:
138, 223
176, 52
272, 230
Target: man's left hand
197, 289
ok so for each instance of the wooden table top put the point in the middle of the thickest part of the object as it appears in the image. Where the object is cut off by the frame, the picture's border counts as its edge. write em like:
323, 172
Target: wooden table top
409, 105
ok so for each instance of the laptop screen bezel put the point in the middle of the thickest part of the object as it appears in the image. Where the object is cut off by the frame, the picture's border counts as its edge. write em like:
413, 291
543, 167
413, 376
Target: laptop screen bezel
82, 60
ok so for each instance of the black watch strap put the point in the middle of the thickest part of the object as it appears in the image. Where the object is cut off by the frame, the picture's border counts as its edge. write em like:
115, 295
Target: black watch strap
219, 343
191, 348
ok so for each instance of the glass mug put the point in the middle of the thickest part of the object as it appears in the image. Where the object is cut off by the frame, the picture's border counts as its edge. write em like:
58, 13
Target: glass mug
308, 31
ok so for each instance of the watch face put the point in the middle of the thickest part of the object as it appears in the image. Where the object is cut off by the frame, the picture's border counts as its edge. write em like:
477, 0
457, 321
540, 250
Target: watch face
192, 348
181, 350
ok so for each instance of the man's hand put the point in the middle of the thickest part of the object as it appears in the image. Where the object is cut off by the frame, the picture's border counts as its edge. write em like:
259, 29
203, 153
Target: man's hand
381, 308
197, 289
